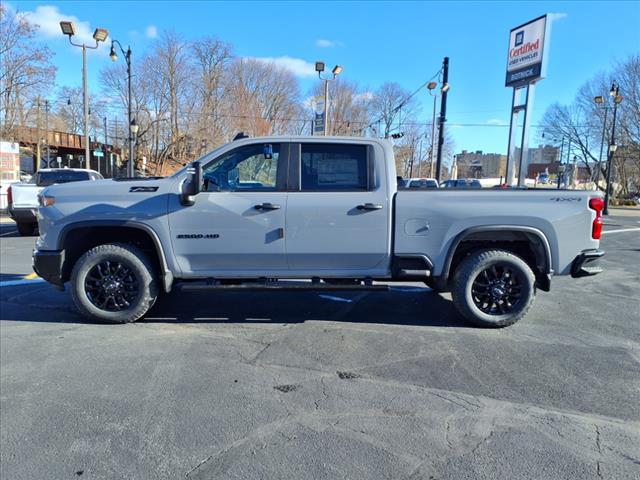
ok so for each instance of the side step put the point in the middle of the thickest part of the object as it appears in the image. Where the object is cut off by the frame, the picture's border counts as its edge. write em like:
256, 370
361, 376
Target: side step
199, 285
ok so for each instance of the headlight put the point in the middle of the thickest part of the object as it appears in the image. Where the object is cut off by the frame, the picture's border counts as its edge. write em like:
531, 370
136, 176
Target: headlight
46, 200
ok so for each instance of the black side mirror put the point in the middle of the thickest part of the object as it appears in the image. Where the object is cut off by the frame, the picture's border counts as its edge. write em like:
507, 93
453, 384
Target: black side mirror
192, 185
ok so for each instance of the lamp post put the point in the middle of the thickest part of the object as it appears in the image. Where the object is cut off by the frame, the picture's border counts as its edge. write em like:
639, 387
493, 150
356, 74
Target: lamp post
431, 86
337, 70
133, 139
617, 99
100, 35
600, 100
127, 56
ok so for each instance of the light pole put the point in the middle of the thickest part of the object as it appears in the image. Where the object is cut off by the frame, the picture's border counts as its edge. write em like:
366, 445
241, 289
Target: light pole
431, 86
100, 35
617, 99
133, 128
127, 56
600, 100
336, 71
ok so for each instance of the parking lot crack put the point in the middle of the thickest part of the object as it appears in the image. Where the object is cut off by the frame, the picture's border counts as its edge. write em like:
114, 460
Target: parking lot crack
598, 446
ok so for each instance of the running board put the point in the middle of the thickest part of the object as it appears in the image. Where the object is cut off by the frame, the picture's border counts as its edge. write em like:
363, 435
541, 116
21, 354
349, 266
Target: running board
196, 285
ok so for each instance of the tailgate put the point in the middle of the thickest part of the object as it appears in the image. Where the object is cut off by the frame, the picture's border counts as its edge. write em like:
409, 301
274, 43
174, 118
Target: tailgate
25, 195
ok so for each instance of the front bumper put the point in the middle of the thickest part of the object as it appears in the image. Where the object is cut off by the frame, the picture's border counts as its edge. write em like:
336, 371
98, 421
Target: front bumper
23, 215
48, 265
587, 263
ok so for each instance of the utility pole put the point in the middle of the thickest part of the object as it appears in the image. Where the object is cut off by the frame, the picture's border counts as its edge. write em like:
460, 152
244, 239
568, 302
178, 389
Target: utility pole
46, 126
106, 140
443, 115
38, 153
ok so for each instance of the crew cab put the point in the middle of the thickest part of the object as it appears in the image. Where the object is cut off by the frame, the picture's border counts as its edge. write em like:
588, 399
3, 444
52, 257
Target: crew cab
319, 213
22, 198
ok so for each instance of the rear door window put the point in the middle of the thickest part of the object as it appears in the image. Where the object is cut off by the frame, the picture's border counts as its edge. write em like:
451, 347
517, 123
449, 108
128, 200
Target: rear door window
333, 167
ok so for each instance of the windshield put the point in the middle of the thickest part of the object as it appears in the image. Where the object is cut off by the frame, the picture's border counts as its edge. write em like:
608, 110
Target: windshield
44, 179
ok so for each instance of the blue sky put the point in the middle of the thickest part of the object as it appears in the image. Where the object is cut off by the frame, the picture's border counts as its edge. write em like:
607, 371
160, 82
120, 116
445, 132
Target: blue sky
375, 42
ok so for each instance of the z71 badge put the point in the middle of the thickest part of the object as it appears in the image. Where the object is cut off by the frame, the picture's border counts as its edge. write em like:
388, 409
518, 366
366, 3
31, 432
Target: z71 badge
195, 236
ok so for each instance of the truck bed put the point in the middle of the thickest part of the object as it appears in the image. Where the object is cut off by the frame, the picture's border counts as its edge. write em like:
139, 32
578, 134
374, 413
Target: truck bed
431, 220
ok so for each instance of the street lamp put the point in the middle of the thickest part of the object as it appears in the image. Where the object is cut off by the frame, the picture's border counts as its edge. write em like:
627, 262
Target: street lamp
99, 35
431, 86
127, 56
600, 100
617, 99
133, 139
337, 70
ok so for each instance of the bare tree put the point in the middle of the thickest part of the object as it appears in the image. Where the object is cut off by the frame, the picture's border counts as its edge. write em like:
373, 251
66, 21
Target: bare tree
262, 97
211, 57
581, 124
391, 104
25, 71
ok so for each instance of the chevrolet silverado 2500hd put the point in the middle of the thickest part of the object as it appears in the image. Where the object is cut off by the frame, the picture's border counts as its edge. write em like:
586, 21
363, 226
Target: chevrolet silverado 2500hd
324, 212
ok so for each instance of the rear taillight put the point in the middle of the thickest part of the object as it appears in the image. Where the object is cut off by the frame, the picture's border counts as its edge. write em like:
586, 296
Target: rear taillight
596, 204
9, 195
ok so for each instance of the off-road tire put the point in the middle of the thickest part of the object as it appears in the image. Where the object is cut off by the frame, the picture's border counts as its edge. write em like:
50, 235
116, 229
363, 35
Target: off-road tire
472, 267
27, 229
139, 265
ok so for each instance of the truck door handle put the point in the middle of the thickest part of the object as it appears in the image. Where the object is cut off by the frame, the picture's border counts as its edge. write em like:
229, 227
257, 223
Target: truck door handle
266, 206
369, 206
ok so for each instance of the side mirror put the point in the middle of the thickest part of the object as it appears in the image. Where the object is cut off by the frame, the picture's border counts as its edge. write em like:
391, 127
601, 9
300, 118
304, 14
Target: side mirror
267, 150
192, 185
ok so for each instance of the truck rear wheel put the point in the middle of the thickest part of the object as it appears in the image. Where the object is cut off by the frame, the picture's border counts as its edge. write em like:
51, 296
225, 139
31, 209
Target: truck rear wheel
493, 288
26, 229
114, 283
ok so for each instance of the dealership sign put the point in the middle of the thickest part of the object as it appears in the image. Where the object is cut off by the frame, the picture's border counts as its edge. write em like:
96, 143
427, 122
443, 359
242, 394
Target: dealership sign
525, 61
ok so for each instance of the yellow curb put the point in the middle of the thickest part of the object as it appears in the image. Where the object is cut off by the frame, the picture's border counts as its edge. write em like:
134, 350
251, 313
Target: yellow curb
31, 276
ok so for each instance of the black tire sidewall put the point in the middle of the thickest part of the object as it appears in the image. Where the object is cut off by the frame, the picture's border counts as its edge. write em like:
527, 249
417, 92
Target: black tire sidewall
132, 258
471, 267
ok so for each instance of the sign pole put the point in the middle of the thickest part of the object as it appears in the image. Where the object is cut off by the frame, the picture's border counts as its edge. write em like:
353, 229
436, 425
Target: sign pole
524, 144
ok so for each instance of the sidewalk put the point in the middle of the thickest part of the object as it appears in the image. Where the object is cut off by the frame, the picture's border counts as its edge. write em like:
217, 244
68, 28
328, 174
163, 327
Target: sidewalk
625, 211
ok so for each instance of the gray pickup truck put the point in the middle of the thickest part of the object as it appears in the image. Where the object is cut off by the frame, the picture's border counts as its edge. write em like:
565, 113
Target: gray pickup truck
319, 213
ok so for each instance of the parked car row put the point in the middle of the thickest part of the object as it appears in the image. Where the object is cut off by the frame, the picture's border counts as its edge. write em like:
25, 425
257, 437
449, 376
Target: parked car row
430, 183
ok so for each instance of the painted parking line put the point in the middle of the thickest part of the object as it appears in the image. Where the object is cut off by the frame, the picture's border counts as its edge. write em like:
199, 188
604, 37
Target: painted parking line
605, 232
8, 233
15, 283
31, 276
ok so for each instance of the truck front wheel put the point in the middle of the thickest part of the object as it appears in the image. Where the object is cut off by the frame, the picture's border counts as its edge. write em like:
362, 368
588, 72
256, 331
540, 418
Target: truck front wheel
114, 283
493, 288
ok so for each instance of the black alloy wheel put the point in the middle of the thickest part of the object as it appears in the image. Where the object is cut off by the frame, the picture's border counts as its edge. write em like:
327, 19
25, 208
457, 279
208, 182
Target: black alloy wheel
497, 290
111, 286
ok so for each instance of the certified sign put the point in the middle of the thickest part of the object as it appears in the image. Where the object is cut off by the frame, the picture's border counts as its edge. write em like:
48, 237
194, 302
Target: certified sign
526, 48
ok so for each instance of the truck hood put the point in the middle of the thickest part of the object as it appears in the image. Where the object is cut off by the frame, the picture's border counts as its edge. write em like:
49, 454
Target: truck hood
109, 199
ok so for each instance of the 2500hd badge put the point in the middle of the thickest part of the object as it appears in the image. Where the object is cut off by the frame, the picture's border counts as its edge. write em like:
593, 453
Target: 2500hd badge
193, 236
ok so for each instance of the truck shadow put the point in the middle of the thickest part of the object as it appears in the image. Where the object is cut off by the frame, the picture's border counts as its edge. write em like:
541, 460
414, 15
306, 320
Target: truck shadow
399, 306
409, 306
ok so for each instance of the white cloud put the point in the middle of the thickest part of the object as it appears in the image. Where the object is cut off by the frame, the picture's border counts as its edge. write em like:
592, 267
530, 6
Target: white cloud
151, 31
364, 96
299, 67
554, 17
324, 43
48, 18
496, 121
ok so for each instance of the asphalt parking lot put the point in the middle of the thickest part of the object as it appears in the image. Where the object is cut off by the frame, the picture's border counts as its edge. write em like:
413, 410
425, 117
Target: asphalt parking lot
302, 385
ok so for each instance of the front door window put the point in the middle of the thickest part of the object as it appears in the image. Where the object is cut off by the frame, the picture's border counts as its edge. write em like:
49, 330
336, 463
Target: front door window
249, 168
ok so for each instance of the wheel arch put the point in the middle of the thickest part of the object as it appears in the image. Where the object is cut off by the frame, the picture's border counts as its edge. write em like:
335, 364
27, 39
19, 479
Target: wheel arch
527, 242
78, 237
